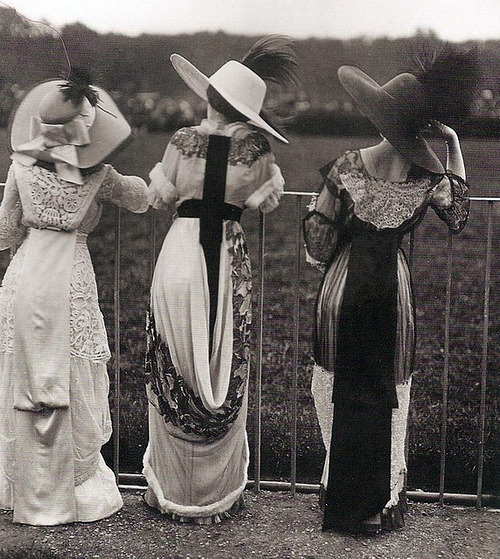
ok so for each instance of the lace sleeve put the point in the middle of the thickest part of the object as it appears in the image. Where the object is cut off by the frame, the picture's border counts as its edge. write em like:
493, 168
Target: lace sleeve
12, 229
125, 191
321, 224
456, 213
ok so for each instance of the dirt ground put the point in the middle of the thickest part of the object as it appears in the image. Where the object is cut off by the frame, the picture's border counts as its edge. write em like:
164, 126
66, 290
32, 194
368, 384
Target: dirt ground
272, 526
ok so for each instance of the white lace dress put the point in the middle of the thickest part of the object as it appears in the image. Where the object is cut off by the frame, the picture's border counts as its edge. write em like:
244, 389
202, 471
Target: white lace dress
53, 424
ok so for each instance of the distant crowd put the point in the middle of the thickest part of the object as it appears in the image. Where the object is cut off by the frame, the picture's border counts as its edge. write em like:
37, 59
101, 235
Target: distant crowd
155, 112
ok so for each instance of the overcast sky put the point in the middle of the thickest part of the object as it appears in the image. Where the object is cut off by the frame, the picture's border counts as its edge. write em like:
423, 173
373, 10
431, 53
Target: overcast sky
454, 20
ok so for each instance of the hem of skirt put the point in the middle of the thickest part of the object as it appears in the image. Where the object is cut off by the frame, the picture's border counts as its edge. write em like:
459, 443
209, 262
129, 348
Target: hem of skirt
76, 520
392, 517
192, 512
207, 520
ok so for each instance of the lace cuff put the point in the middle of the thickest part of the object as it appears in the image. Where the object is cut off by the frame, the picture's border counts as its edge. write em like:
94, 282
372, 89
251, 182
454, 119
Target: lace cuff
162, 192
267, 196
125, 191
457, 213
321, 236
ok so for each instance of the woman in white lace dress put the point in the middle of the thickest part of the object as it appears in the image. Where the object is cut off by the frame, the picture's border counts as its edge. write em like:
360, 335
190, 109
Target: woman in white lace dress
198, 332
365, 324
54, 411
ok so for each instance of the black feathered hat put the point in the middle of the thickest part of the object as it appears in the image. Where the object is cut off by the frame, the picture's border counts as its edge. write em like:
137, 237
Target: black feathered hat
442, 89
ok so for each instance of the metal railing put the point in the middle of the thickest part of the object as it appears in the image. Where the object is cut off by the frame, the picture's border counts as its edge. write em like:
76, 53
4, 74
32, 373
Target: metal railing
479, 499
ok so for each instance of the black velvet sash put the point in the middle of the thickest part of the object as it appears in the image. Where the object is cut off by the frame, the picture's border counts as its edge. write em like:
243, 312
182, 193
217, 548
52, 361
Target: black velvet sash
366, 337
211, 216
364, 390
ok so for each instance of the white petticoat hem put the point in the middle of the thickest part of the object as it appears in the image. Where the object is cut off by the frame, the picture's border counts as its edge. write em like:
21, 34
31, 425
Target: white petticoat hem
193, 511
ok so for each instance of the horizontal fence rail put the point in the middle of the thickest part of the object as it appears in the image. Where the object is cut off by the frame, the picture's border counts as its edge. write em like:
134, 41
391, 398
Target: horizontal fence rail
132, 481
479, 499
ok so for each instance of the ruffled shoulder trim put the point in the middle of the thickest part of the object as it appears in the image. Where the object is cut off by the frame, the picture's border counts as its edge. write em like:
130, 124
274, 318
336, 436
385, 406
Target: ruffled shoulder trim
247, 149
190, 143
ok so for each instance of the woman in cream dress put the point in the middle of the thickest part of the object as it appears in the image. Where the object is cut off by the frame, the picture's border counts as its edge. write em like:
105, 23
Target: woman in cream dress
54, 411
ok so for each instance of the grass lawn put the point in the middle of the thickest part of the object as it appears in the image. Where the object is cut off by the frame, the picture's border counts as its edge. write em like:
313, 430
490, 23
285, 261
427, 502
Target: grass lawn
299, 162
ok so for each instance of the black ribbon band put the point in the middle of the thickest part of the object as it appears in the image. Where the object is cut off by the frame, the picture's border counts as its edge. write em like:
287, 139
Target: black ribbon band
211, 213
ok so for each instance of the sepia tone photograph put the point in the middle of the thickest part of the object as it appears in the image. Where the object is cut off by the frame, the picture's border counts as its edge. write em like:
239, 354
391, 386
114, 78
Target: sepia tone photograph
250, 279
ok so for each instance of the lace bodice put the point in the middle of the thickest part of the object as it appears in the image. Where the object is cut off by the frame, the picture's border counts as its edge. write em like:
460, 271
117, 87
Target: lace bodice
35, 197
351, 199
253, 178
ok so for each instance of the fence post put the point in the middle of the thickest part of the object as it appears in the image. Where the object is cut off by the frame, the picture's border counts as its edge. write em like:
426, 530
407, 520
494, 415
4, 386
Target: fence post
116, 308
446, 369
484, 360
260, 341
296, 314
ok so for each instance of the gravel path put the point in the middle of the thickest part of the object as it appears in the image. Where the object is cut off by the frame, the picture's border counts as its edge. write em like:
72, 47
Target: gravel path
272, 526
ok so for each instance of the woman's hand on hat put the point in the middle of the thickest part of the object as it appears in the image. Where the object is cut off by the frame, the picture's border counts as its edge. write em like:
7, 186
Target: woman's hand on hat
440, 130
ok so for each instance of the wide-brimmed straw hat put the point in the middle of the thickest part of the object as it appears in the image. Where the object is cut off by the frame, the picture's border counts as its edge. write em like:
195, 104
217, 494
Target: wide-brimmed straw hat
398, 109
108, 130
242, 88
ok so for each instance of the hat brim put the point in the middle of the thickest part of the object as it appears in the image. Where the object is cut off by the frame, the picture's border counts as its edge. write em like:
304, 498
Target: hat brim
388, 118
199, 82
108, 131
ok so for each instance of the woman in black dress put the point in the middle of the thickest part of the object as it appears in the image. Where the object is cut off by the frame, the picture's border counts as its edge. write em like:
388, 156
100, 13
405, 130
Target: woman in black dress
365, 324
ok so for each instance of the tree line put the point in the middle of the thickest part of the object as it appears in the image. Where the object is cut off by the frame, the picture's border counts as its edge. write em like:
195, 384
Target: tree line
138, 72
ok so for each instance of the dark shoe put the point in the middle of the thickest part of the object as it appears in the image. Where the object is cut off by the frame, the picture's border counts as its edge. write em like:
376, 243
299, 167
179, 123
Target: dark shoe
393, 519
369, 527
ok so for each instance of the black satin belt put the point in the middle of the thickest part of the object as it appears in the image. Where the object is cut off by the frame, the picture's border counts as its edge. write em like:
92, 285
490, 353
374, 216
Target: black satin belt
193, 208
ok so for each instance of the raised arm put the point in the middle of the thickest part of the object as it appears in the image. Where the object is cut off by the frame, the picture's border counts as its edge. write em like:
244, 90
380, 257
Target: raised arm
12, 229
450, 197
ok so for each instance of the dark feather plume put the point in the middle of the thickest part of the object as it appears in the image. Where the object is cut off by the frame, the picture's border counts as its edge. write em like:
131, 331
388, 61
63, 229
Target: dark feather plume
451, 78
78, 85
273, 59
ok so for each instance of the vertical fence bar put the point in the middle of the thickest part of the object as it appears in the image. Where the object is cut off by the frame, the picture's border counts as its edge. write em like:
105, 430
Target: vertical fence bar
116, 308
484, 360
296, 314
153, 234
260, 341
446, 370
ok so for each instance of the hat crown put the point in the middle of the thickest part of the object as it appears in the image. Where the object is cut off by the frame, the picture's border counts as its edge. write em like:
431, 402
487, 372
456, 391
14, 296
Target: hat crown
398, 109
407, 92
56, 109
239, 83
